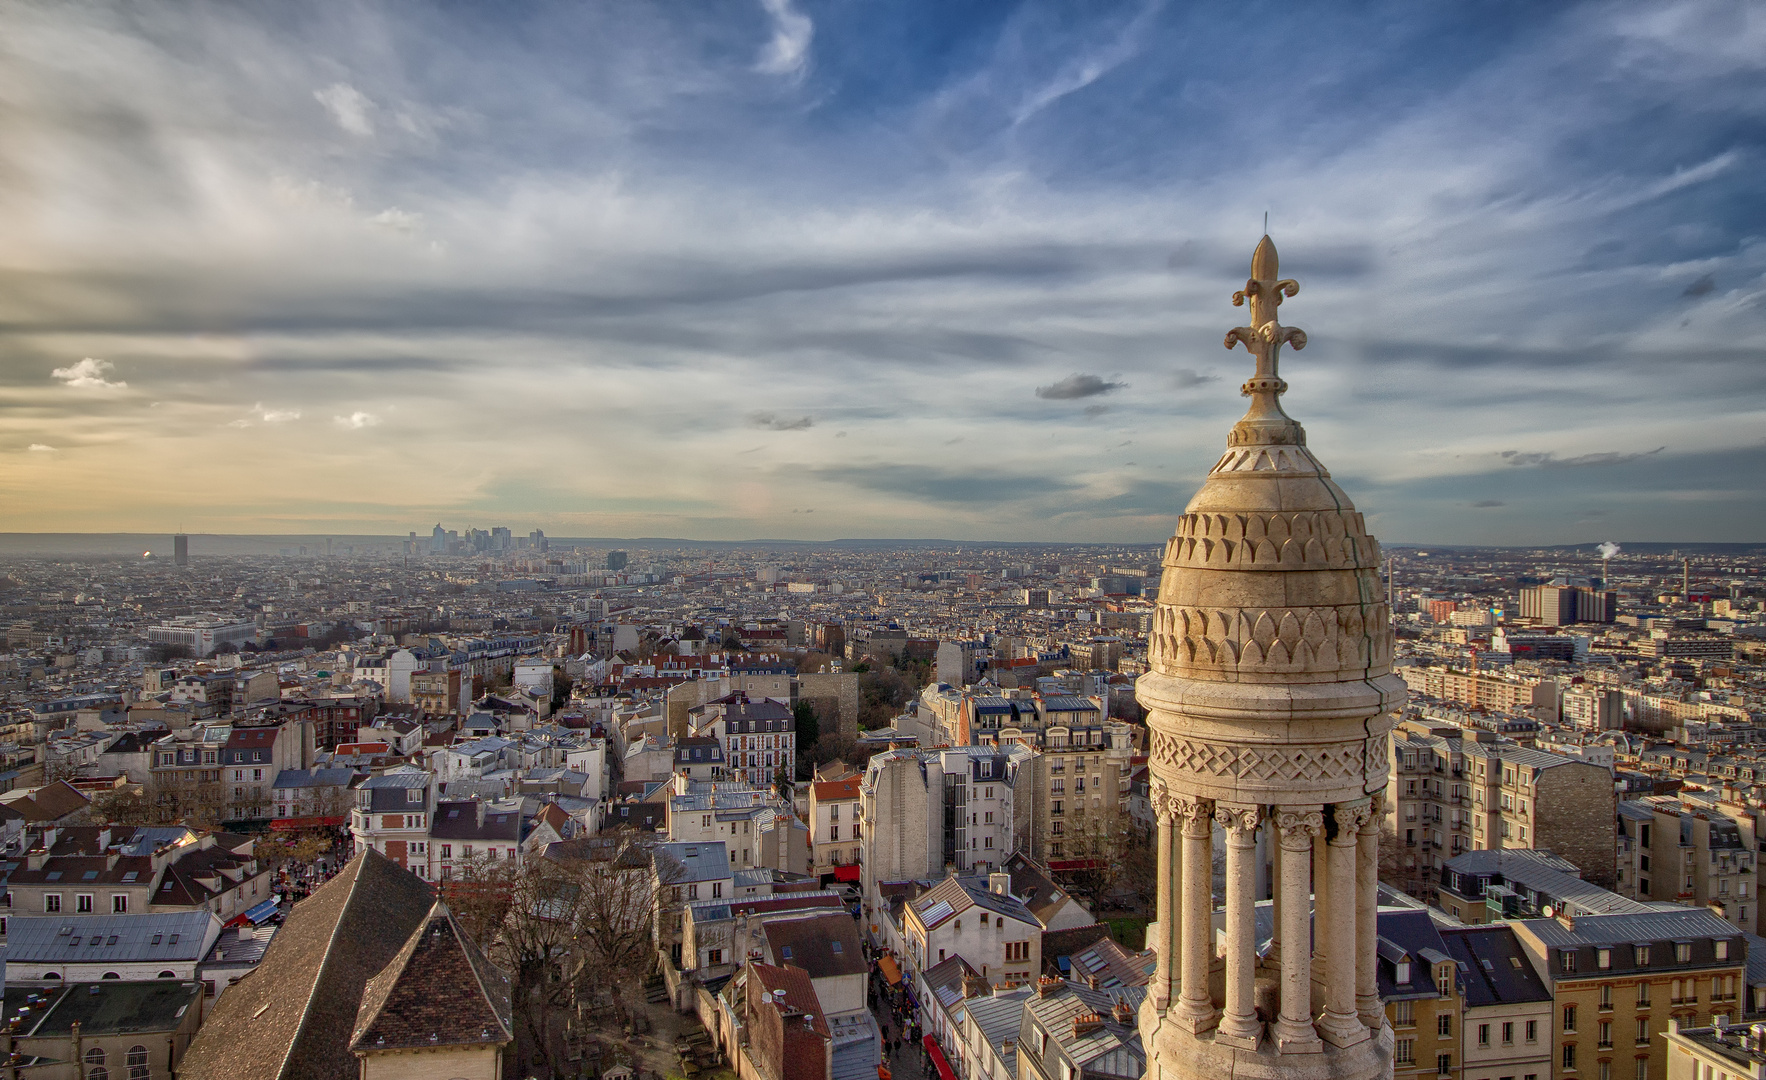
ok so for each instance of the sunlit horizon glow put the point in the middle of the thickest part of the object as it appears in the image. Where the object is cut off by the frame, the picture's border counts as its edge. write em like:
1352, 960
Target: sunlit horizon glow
772, 268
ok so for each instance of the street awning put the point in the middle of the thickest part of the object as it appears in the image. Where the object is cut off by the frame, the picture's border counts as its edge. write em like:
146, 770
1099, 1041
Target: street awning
891, 972
262, 912
945, 1072
849, 872
285, 823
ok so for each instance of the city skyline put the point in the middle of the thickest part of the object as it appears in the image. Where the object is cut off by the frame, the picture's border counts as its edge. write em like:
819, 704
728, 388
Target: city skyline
800, 271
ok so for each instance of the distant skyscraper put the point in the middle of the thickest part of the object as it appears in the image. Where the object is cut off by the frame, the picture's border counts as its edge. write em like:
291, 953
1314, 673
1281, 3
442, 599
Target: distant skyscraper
616, 560
181, 549
537, 540
438, 540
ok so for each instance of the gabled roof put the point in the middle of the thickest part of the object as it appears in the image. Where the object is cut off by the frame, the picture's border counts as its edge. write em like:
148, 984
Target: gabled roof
825, 945
110, 939
438, 991
294, 1015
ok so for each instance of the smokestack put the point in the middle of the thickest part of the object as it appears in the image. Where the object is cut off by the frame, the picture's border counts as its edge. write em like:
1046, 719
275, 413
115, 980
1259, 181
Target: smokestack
1686, 581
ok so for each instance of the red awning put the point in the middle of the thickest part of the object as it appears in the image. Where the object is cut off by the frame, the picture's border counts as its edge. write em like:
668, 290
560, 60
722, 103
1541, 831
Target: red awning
304, 822
945, 1072
849, 872
891, 973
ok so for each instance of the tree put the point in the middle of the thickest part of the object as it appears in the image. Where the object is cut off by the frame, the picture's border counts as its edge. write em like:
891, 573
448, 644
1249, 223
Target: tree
573, 930
126, 805
806, 726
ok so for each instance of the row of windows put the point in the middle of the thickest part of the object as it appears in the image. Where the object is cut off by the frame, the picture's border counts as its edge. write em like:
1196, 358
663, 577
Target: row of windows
135, 1062
1640, 955
119, 903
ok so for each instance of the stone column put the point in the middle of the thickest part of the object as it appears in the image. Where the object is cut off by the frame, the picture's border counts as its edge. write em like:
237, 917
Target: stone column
1275, 892
1340, 1025
1170, 862
1195, 1006
1296, 827
1367, 901
1239, 1025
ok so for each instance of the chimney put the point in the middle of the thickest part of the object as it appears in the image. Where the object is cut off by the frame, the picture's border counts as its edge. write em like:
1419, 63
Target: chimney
1000, 884
1123, 1012
1086, 1023
1046, 985
1567, 918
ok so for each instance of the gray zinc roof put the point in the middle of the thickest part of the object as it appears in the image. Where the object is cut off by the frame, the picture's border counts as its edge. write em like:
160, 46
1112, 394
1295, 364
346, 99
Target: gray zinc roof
108, 939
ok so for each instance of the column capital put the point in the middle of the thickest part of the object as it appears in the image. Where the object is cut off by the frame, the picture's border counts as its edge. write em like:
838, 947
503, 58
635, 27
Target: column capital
1238, 819
1164, 810
1351, 818
1376, 805
1298, 825
1194, 815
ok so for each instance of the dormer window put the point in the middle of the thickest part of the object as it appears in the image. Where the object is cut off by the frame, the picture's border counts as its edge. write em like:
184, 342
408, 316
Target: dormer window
414, 795
1401, 972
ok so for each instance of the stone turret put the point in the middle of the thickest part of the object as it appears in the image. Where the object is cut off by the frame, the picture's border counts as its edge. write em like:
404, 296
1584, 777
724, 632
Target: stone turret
1271, 699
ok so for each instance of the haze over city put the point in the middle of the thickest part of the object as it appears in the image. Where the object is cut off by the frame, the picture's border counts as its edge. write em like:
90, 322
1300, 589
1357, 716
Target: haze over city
739, 270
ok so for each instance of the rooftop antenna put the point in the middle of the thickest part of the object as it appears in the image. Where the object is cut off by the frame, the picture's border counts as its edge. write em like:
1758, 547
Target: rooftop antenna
1266, 223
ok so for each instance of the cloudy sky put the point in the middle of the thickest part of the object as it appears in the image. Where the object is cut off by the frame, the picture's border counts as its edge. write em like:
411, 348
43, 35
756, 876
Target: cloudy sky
846, 268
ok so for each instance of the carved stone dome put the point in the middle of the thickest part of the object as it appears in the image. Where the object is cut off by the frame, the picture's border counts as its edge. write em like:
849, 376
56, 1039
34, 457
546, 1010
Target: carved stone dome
1271, 649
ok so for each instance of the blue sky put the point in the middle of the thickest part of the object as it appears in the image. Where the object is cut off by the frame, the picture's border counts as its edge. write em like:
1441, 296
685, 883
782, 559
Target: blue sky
779, 268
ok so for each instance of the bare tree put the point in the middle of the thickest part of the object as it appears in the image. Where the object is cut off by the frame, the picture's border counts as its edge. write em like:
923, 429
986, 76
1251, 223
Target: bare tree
574, 930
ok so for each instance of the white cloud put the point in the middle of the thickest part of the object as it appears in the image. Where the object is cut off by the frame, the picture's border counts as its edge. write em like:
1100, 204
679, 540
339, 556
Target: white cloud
40, 448
239, 423
788, 51
89, 374
393, 219
275, 416
356, 420
348, 106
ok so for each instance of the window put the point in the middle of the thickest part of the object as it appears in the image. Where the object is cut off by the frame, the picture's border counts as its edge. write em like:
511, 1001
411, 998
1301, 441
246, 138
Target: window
83, 903
1403, 1013
1643, 995
1404, 1052
1605, 1031
95, 1069
1603, 958
1569, 1018
1643, 1032
1606, 1070
1444, 1024
833, 832
1722, 948
1566, 962
1017, 951
51, 902
1532, 1031
137, 1062
1483, 1034
717, 890
1682, 952
1444, 979
1642, 955
119, 903
1444, 1064
714, 956
1508, 1033
447, 851
1643, 1069
1569, 1059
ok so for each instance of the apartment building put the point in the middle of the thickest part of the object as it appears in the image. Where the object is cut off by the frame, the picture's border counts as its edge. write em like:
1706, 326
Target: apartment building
835, 830
1506, 1007
1617, 981
759, 736
1482, 690
1458, 789
979, 920
1419, 985
966, 807
392, 816
1080, 814
1692, 855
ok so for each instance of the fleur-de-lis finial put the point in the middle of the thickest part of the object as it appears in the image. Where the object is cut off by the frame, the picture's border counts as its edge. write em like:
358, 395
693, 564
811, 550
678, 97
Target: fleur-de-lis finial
1264, 338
